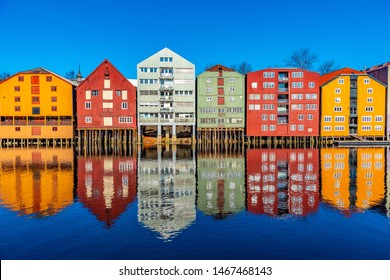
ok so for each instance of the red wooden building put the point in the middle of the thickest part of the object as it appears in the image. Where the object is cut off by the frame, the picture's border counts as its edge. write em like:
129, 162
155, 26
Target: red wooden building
283, 102
106, 100
107, 185
282, 181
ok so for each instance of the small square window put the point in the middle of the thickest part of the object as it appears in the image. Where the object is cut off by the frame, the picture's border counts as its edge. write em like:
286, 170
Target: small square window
48, 78
36, 110
54, 88
17, 128
16, 88
21, 78
118, 93
124, 105
87, 105
54, 99
54, 128
54, 108
17, 99
17, 108
35, 100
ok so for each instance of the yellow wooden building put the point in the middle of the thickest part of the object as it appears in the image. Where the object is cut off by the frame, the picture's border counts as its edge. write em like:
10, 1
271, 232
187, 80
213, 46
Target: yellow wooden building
36, 104
353, 104
38, 182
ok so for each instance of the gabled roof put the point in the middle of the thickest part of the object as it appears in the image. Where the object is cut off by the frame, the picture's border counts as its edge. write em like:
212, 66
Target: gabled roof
166, 51
41, 70
380, 66
330, 76
105, 61
219, 67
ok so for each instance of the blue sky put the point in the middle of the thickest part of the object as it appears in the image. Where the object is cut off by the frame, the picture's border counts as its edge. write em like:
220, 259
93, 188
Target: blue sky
58, 35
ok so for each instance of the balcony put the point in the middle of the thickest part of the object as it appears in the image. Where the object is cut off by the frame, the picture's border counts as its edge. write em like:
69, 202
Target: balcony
166, 98
168, 76
166, 120
168, 87
148, 120
164, 109
184, 120
283, 89
283, 79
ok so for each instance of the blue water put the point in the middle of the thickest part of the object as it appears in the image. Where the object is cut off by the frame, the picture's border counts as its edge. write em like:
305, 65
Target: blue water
74, 232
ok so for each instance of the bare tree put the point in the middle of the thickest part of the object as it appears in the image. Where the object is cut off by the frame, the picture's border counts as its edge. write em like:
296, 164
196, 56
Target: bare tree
327, 67
71, 75
302, 58
4, 76
242, 68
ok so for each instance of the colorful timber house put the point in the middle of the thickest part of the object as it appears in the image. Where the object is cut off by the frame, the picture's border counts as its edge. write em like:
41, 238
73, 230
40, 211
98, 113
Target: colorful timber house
353, 105
382, 73
36, 106
106, 107
220, 105
282, 102
166, 99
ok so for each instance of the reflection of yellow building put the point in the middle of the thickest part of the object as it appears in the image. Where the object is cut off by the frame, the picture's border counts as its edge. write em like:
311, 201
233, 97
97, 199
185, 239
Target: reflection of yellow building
370, 177
36, 181
335, 177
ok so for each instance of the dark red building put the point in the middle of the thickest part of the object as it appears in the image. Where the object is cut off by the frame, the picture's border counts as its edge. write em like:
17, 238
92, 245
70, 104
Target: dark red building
282, 181
107, 185
106, 100
282, 102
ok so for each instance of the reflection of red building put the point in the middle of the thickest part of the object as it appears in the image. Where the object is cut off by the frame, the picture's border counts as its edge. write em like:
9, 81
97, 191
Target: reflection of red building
106, 185
282, 181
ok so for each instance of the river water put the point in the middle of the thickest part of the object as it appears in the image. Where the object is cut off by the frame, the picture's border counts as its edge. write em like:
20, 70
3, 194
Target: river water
173, 202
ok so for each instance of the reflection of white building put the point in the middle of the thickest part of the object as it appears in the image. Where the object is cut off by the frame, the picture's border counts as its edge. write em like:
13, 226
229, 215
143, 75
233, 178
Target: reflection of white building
166, 193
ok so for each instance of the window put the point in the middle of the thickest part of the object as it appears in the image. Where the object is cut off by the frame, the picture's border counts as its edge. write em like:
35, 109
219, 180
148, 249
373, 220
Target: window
301, 127
297, 96
369, 109
337, 100
209, 80
17, 128
35, 100
370, 90
366, 119
297, 85
366, 127
232, 98
264, 127
311, 106
264, 117
341, 81
378, 118
36, 110
35, 90
21, 78
209, 99
54, 99
337, 90
231, 89
293, 127
16, 88
88, 119
268, 96
118, 92
327, 128
297, 74
124, 105
125, 119
312, 84
17, 98
209, 89
309, 117
87, 105
268, 74
271, 117
17, 108
300, 117
48, 78
54, 128
54, 108
254, 96
339, 118
254, 84
369, 100
296, 107
166, 59
311, 96
268, 85
272, 127
327, 118
53, 88
378, 128
338, 109
366, 81
232, 80
339, 128
95, 92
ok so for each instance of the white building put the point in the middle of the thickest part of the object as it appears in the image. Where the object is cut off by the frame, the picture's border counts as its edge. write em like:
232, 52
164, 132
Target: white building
166, 98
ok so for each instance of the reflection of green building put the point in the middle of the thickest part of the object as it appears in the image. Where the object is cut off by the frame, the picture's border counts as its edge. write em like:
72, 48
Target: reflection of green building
221, 189
166, 191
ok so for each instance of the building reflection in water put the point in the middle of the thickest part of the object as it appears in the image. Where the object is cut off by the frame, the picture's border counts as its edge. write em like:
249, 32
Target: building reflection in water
166, 189
353, 178
107, 185
221, 185
282, 181
37, 182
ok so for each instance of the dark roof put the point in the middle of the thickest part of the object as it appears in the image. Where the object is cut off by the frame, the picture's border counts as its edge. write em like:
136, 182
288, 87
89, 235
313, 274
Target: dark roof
220, 67
330, 76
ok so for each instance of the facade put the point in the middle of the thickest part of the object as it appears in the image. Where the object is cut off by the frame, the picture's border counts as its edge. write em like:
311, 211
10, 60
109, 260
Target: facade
221, 185
36, 182
382, 73
107, 185
353, 104
166, 98
283, 181
106, 100
221, 103
37, 104
282, 102
363, 169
